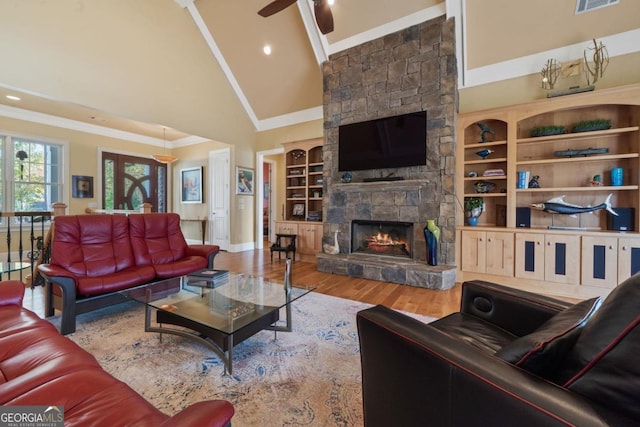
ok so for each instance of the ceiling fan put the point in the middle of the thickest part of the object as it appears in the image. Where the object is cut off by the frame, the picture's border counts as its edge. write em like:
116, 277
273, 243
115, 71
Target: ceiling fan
321, 9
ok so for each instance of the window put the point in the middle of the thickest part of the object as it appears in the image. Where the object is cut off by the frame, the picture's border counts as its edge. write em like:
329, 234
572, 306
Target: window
31, 173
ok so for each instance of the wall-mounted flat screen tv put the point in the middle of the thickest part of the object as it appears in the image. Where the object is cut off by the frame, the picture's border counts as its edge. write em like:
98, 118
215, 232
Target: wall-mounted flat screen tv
391, 142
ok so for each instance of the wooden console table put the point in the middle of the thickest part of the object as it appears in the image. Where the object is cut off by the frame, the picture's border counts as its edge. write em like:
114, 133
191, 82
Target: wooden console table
203, 224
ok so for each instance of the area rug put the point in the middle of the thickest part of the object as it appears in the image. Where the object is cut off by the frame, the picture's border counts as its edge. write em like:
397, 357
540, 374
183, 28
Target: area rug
308, 377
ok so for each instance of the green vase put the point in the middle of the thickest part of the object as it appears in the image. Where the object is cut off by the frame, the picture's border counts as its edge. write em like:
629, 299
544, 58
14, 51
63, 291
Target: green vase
432, 236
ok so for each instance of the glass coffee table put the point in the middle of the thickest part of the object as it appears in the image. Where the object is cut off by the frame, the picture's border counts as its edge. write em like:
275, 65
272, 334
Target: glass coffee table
219, 313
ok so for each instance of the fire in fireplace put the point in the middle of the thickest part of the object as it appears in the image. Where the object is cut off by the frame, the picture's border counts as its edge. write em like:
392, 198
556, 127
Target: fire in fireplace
382, 238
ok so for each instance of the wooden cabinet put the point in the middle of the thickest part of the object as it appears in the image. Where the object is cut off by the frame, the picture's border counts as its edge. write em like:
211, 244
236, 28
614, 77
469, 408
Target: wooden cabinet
628, 257
600, 261
310, 238
552, 258
529, 256
573, 166
488, 252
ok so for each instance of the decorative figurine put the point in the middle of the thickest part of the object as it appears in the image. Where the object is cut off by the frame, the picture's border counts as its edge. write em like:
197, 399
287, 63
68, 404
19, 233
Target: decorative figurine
484, 153
557, 205
332, 249
484, 186
484, 130
534, 182
596, 181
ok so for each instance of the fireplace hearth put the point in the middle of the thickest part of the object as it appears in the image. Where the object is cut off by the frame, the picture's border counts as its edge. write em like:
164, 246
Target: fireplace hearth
391, 238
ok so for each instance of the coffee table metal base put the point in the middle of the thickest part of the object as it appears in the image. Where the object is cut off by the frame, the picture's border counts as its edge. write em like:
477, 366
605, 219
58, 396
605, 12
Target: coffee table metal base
222, 344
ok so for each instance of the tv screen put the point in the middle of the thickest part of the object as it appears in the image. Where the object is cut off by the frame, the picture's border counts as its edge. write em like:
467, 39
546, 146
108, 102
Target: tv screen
391, 142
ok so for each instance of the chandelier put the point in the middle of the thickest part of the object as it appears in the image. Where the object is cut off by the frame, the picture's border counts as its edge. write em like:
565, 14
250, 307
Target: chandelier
164, 157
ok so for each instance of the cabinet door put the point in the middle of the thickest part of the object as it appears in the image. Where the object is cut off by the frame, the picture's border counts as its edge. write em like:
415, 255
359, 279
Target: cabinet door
286, 228
474, 250
600, 261
499, 253
309, 238
562, 259
628, 257
529, 262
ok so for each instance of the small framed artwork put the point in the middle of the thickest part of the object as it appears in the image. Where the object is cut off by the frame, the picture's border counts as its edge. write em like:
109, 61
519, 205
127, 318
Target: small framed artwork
191, 180
244, 181
298, 210
82, 186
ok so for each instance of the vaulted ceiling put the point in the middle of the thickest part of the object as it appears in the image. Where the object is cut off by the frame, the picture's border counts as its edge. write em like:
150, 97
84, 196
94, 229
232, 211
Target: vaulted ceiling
223, 39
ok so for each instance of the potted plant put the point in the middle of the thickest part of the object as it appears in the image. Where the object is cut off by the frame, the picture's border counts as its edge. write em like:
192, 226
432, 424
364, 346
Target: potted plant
473, 207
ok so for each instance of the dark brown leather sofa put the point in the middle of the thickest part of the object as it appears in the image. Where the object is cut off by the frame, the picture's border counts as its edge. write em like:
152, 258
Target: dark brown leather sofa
40, 367
95, 256
508, 358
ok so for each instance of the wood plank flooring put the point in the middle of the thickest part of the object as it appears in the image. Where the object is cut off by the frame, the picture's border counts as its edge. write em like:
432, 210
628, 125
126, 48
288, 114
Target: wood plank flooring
407, 298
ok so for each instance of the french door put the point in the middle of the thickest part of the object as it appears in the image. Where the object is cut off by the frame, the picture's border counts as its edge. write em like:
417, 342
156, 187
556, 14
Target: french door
130, 181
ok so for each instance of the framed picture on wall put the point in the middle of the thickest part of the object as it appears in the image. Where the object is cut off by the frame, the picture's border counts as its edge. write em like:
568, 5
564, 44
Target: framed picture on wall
82, 186
191, 181
244, 181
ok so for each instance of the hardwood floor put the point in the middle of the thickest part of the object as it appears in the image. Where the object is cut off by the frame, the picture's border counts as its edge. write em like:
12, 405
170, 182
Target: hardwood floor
401, 297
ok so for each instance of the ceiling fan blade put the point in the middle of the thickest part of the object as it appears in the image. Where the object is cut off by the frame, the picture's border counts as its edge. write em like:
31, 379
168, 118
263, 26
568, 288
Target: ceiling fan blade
275, 7
324, 17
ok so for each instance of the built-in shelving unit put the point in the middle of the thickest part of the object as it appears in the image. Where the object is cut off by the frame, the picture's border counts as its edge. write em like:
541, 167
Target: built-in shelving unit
304, 192
575, 250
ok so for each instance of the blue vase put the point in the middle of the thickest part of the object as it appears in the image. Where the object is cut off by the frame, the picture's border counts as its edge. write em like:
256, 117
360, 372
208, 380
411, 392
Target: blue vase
431, 236
472, 220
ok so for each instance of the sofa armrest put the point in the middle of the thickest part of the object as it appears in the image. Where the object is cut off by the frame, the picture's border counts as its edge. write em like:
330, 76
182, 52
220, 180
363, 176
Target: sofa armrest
55, 275
207, 251
11, 292
413, 374
517, 311
212, 413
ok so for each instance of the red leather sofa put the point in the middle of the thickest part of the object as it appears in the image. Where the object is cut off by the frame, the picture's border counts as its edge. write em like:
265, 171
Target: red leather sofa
38, 366
95, 256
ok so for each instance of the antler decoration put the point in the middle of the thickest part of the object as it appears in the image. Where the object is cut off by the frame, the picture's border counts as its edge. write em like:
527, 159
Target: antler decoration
599, 64
550, 74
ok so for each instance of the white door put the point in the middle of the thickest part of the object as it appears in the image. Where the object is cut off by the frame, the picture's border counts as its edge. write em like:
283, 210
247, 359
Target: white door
219, 198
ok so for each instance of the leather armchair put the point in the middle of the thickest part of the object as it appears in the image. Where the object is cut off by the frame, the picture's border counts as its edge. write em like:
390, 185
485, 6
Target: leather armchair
451, 373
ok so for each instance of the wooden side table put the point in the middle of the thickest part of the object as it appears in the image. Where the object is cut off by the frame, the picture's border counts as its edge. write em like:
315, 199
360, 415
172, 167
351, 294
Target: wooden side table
203, 224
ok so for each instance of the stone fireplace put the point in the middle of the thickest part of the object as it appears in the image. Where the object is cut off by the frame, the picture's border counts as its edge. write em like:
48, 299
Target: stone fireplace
408, 71
390, 238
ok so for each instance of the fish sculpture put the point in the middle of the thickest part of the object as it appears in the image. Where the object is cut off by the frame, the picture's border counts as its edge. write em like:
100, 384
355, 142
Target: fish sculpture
557, 205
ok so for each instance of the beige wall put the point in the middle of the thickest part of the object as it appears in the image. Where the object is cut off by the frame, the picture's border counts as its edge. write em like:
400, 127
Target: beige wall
622, 70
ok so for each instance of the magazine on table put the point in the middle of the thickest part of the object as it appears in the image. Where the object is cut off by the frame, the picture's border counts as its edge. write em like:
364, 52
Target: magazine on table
208, 277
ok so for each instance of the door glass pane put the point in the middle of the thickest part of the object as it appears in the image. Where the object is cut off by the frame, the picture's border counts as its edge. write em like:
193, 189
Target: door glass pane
137, 183
108, 179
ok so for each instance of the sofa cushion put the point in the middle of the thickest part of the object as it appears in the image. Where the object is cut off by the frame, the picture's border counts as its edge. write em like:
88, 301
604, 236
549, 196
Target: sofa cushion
541, 351
157, 240
603, 364
475, 331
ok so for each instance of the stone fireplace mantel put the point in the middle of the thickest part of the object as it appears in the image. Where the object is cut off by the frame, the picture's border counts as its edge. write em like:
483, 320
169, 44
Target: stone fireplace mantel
404, 185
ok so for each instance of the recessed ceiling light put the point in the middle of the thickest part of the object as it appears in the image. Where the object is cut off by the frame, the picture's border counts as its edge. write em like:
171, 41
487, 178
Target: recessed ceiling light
331, 2
267, 49
13, 97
